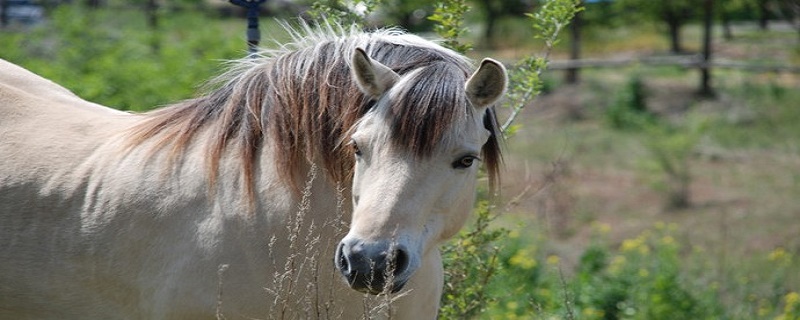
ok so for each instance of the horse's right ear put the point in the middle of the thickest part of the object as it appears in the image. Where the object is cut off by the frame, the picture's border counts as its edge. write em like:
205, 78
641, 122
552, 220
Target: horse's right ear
372, 77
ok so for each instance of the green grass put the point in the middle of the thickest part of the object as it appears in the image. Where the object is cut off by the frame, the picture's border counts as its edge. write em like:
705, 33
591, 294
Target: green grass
761, 116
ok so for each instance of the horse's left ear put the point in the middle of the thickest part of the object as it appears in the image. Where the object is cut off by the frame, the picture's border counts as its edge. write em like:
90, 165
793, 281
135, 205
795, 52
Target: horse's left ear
373, 78
487, 84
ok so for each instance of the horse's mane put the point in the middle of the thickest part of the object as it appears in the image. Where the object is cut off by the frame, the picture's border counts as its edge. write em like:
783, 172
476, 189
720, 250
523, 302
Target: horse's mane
303, 97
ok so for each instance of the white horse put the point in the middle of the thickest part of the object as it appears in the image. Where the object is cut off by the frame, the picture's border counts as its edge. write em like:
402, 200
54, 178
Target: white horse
233, 204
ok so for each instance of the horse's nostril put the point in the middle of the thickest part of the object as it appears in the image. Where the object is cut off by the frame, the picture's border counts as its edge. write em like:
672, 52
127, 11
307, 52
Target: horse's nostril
342, 263
400, 262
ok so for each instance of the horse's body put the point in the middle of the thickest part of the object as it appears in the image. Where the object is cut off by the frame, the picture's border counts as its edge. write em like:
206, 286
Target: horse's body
222, 205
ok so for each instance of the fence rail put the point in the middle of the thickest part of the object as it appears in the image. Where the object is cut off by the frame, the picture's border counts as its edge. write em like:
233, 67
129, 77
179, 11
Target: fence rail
686, 61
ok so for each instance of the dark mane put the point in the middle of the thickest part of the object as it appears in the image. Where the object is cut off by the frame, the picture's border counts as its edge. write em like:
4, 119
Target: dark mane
304, 99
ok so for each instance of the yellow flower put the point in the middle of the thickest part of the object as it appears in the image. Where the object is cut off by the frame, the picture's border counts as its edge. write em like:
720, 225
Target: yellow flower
780, 256
592, 313
523, 259
544, 293
643, 273
791, 298
777, 254
553, 260
667, 240
601, 228
512, 305
698, 249
763, 308
638, 244
630, 245
616, 264
743, 280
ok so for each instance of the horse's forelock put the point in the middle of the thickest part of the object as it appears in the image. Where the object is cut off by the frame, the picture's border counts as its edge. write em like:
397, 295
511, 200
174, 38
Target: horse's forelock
431, 107
427, 107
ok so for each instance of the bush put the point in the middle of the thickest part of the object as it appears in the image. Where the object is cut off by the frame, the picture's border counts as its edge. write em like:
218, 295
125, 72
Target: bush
471, 261
628, 110
641, 281
670, 149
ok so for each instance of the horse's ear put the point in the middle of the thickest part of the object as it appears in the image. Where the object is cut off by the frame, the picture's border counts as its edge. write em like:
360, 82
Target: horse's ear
373, 78
487, 84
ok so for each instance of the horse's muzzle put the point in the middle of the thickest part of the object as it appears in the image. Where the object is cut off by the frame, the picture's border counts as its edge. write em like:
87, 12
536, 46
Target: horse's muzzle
373, 267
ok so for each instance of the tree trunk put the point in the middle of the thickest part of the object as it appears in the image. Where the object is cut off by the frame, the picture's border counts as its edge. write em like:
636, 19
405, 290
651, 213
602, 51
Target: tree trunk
727, 33
405, 20
3, 13
791, 12
151, 11
572, 76
492, 15
705, 70
94, 4
674, 22
763, 14
491, 22
675, 36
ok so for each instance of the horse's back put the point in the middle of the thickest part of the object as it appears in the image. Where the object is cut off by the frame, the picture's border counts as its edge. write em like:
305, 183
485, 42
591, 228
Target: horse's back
19, 82
46, 127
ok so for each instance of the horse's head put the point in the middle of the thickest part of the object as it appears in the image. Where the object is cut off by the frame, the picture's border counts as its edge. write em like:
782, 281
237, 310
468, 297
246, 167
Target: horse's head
411, 193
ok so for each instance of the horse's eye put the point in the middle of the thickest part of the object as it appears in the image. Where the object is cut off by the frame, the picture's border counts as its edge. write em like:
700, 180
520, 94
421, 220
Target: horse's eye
465, 162
356, 150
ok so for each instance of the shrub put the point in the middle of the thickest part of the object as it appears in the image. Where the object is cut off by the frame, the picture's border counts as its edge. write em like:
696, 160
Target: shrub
471, 262
670, 149
643, 280
628, 110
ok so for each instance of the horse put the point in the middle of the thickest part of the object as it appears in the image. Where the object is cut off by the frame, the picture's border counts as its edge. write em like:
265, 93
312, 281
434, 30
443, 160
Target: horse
316, 180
